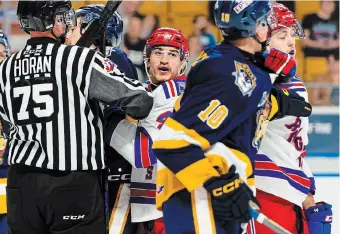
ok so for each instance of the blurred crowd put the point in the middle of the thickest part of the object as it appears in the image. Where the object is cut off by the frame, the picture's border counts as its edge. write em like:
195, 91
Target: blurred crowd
318, 59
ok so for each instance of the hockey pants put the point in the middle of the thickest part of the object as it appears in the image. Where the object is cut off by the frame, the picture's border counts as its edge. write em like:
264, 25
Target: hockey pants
285, 213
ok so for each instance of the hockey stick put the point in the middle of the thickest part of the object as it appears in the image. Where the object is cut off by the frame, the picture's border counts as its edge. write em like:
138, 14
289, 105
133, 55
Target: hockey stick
261, 218
98, 26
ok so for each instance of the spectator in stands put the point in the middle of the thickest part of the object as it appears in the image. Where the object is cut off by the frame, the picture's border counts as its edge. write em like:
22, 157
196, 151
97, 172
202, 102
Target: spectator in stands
130, 9
322, 32
327, 95
201, 24
133, 46
194, 50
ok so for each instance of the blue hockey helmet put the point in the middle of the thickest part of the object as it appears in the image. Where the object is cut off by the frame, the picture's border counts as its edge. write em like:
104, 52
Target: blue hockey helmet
114, 28
5, 43
238, 18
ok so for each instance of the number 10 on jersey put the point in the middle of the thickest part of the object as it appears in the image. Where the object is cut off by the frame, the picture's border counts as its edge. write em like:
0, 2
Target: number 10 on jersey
214, 114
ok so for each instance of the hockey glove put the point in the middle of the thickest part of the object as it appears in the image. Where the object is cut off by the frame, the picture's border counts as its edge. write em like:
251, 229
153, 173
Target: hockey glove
280, 62
319, 218
290, 103
230, 197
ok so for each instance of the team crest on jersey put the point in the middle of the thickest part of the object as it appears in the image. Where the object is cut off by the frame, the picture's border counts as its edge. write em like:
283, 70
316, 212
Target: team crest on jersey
181, 86
109, 65
244, 78
262, 120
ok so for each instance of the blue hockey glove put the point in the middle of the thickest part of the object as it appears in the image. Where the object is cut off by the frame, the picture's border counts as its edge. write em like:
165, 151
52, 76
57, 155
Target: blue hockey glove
230, 197
319, 218
280, 62
290, 103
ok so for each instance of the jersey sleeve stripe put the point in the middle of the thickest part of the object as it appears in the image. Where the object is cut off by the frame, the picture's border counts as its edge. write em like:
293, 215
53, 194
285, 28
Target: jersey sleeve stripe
172, 88
177, 105
170, 144
166, 91
144, 156
143, 200
181, 132
196, 174
138, 150
145, 150
275, 107
280, 175
272, 170
143, 193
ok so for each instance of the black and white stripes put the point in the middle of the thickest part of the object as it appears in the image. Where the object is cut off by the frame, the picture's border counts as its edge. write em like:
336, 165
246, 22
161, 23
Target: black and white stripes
50, 94
53, 122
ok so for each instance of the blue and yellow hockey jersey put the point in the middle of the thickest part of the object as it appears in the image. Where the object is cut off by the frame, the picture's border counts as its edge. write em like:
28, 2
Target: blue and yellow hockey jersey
225, 100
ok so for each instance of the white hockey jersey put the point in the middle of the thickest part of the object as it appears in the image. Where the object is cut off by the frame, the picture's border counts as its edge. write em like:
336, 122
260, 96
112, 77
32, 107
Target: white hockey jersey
134, 142
279, 166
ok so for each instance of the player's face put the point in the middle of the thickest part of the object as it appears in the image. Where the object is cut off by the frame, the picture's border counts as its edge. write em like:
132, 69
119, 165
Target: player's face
283, 39
2, 52
73, 35
164, 63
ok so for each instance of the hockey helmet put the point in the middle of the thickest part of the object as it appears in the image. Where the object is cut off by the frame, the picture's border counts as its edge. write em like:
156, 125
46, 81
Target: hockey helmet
167, 37
4, 41
40, 16
285, 18
238, 18
114, 28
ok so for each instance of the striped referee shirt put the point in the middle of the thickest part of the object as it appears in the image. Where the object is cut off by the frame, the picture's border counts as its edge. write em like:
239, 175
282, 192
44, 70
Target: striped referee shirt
50, 95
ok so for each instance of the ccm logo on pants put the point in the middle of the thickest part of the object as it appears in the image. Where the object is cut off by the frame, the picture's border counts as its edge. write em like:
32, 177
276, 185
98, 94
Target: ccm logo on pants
73, 217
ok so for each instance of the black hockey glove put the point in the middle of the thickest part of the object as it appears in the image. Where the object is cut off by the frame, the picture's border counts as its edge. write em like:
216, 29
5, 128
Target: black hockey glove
290, 103
230, 197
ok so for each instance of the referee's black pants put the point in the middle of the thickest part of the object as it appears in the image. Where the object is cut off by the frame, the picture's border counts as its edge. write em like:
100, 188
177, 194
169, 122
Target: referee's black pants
53, 202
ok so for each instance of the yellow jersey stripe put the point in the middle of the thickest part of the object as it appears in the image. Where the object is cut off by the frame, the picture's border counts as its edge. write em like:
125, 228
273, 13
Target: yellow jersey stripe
196, 174
170, 144
177, 105
275, 107
171, 123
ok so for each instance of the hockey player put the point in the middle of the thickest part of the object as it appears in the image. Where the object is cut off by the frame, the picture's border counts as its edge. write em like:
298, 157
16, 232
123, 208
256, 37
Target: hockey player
285, 184
207, 146
51, 94
119, 169
112, 37
166, 56
4, 53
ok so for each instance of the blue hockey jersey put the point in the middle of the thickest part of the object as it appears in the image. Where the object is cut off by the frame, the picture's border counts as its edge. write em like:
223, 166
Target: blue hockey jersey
225, 100
120, 58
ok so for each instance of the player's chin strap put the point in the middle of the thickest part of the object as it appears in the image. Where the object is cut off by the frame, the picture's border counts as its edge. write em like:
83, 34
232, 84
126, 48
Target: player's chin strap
263, 44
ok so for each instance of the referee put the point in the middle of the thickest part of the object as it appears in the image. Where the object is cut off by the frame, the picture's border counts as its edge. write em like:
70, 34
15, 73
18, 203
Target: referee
50, 94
